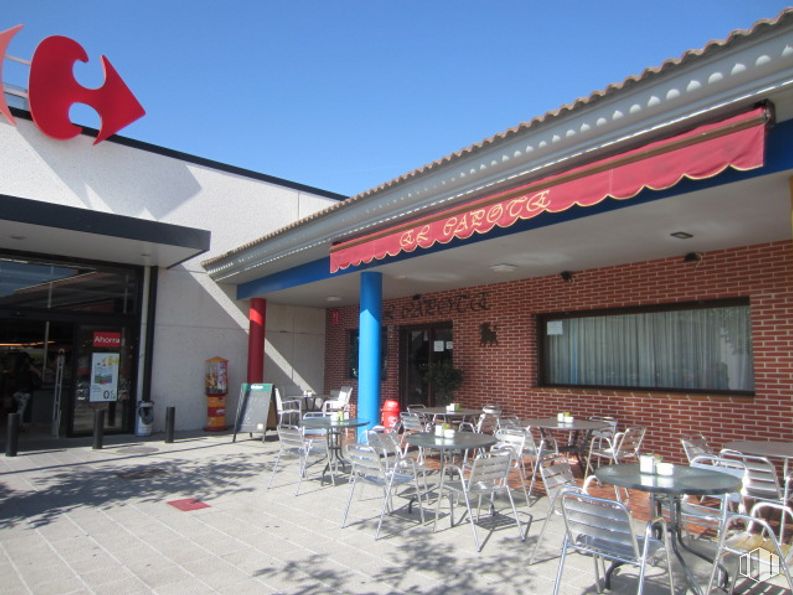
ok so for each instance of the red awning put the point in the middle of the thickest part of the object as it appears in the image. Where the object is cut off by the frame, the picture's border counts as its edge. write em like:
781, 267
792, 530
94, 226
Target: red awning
704, 152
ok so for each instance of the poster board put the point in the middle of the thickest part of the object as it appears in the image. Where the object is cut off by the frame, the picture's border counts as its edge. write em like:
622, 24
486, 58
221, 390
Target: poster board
253, 407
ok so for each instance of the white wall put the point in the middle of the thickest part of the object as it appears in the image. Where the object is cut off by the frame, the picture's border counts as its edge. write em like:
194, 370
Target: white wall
195, 319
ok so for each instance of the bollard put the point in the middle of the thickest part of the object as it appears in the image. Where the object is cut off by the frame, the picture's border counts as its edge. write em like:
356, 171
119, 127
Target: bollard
12, 435
99, 428
170, 417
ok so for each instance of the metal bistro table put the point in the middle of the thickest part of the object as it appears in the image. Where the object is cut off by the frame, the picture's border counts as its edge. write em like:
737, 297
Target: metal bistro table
684, 480
763, 448
575, 427
333, 430
442, 413
460, 441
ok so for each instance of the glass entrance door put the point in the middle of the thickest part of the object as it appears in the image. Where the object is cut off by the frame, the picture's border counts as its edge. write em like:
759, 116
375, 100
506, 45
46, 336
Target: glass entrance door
419, 347
103, 374
35, 371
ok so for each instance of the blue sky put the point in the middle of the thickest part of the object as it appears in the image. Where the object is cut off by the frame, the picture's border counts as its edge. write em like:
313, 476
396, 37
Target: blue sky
345, 95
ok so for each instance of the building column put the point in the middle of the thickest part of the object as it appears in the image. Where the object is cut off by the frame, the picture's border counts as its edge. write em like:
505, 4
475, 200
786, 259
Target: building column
257, 314
369, 349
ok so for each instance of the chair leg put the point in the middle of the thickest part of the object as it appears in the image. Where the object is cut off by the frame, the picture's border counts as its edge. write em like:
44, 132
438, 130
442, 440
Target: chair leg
301, 472
551, 509
386, 501
536, 467
668, 550
275, 466
597, 574
515, 512
473, 524
558, 582
349, 501
418, 496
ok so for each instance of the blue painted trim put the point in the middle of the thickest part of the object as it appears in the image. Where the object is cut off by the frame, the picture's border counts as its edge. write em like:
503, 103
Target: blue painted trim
779, 157
371, 314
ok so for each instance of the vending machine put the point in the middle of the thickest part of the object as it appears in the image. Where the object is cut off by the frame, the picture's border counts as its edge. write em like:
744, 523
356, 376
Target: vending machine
216, 386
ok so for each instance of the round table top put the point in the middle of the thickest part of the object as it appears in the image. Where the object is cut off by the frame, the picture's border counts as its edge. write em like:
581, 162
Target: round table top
684, 480
330, 422
551, 423
460, 441
763, 448
442, 411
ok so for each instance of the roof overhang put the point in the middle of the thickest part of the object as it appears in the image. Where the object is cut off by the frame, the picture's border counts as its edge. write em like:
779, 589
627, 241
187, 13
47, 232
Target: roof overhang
36, 226
706, 85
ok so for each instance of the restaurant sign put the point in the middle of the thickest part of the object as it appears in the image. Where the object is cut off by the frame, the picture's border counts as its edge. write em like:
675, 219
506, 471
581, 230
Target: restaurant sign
420, 306
52, 90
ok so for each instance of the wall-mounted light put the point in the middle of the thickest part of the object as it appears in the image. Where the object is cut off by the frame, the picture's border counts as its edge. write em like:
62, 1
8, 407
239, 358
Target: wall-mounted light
567, 276
693, 257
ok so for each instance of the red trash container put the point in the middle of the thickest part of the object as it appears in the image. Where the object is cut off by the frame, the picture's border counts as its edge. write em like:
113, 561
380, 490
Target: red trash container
389, 414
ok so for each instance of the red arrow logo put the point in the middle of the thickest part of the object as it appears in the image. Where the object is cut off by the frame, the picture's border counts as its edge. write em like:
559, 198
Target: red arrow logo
52, 90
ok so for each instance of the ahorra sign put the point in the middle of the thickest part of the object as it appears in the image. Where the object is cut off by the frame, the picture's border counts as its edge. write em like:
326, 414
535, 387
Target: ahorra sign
52, 90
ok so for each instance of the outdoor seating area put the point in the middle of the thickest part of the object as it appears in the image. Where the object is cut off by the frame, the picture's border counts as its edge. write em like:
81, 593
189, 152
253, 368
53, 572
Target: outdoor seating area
288, 514
587, 478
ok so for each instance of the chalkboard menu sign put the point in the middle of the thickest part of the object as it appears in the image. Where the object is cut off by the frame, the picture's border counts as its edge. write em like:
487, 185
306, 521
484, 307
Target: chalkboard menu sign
253, 407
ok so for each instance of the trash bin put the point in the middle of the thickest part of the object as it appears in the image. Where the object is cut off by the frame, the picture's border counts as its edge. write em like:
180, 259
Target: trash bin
145, 418
390, 414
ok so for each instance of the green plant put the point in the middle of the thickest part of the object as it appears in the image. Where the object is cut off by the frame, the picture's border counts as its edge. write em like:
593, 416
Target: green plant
444, 379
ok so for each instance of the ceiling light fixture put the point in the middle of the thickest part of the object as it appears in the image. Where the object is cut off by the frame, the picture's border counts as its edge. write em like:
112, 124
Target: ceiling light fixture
18, 237
503, 267
682, 235
333, 298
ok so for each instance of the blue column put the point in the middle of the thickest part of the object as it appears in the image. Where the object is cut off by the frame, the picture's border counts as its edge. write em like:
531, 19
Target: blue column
369, 349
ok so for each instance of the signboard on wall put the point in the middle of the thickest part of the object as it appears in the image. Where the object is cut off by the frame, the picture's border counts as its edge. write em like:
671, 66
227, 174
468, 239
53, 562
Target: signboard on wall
104, 377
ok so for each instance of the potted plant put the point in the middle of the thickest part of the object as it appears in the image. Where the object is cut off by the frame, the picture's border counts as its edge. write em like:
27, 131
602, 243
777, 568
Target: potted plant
444, 379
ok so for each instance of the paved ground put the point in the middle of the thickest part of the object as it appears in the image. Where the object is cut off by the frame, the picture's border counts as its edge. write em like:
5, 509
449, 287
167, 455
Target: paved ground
76, 520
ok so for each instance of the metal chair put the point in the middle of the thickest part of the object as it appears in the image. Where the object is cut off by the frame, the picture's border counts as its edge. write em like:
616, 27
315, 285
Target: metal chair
488, 419
394, 457
292, 442
754, 547
556, 476
622, 447
489, 474
694, 512
695, 445
289, 411
342, 403
761, 482
602, 529
514, 440
598, 436
367, 467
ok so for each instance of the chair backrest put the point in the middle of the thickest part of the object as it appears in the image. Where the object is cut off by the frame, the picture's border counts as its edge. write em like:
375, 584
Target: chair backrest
384, 442
695, 445
411, 422
631, 442
761, 480
490, 472
488, 419
599, 526
345, 392
606, 432
556, 474
365, 461
512, 438
291, 437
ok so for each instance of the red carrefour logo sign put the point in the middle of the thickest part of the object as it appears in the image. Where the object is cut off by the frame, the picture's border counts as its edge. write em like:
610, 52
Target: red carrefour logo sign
107, 339
52, 90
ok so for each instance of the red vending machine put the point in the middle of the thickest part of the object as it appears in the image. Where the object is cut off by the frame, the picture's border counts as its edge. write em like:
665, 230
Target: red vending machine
216, 385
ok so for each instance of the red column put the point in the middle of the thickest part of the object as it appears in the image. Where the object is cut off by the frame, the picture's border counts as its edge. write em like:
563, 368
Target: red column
257, 315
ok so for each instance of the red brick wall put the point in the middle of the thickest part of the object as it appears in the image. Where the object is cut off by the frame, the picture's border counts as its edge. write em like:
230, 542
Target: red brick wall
507, 373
